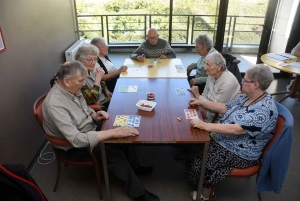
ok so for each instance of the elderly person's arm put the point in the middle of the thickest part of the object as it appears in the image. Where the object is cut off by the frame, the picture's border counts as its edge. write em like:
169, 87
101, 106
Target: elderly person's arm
113, 74
227, 129
191, 67
296, 50
79, 139
170, 53
214, 106
91, 95
105, 89
137, 53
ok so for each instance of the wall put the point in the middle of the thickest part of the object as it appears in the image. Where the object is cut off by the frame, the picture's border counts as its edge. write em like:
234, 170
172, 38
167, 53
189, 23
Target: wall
283, 24
36, 34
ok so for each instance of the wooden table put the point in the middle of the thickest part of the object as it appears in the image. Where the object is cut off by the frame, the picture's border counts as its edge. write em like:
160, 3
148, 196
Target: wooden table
289, 69
164, 68
159, 126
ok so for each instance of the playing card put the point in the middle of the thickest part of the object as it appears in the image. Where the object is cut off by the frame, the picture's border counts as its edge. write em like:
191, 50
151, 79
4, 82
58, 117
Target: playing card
127, 120
179, 69
179, 91
190, 114
130, 88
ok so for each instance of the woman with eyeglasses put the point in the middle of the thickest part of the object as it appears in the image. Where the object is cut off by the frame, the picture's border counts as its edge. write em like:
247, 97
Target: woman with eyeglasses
95, 90
221, 85
112, 74
238, 139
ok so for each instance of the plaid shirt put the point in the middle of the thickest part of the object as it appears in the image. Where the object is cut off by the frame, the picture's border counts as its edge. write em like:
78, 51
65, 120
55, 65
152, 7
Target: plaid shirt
67, 116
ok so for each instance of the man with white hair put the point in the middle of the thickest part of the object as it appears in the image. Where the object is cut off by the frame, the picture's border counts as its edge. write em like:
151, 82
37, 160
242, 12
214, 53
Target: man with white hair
153, 47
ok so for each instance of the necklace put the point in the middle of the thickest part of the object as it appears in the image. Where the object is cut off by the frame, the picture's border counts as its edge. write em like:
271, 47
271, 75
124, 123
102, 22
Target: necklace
261, 96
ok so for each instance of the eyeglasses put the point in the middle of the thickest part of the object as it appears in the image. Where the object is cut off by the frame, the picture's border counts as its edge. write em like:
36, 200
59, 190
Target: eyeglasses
198, 47
103, 46
250, 81
152, 38
91, 60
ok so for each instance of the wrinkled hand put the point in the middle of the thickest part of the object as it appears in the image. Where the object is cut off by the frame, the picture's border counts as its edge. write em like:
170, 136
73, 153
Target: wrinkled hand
140, 58
108, 93
195, 91
192, 82
102, 115
194, 101
99, 73
197, 123
123, 68
189, 69
125, 131
162, 56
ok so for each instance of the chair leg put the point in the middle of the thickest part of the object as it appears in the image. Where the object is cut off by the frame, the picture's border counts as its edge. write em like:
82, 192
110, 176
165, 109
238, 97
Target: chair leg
98, 181
58, 169
259, 197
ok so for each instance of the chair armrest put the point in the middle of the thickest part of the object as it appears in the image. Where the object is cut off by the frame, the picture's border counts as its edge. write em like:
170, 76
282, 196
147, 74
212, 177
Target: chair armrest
61, 142
95, 107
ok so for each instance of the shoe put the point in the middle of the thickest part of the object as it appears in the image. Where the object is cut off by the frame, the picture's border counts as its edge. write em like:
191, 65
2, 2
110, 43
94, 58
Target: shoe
194, 196
143, 169
148, 196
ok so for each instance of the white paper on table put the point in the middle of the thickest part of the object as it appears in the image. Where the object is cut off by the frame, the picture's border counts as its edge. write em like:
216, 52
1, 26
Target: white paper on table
295, 64
287, 55
278, 57
283, 64
272, 59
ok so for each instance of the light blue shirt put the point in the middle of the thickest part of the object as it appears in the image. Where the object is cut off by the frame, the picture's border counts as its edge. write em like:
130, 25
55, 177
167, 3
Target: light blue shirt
258, 120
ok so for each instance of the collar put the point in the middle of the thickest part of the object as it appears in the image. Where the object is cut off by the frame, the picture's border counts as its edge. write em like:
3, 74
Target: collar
66, 93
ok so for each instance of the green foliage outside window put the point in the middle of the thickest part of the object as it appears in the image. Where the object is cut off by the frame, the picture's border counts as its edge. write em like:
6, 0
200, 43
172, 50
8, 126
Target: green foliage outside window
126, 21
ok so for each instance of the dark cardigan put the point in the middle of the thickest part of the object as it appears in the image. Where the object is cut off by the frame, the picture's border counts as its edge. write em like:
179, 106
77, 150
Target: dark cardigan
112, 82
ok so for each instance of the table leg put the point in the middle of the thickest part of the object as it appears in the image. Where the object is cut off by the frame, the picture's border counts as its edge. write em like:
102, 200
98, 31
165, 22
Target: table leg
104, 163
201, 180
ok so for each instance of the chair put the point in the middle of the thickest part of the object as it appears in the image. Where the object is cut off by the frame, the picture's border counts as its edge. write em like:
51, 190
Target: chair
232, 66
37, 112
284, 122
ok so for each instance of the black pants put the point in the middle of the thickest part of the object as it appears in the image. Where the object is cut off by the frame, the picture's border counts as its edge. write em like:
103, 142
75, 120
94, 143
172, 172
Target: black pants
120, 160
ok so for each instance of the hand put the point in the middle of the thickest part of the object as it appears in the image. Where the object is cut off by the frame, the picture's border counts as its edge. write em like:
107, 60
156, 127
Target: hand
102, 115
162, 56
197, 123
192, 82
99, 74
195, 91
194, 101
123, 68
189, 69
108, 93
141, 58
124, 131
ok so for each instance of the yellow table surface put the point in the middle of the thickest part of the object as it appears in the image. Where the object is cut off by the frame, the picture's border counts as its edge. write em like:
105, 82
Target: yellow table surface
164, 68
288, 69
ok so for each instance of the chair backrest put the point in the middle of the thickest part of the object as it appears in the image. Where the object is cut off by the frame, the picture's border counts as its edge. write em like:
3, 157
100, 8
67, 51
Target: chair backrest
232, 66
278, 131
37, 110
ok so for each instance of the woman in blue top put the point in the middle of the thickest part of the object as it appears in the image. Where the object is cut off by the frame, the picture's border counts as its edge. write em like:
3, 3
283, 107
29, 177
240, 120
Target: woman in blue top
238, 139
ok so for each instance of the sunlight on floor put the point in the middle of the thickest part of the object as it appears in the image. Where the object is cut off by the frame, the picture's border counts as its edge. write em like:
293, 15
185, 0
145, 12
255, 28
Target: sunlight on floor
251, 59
